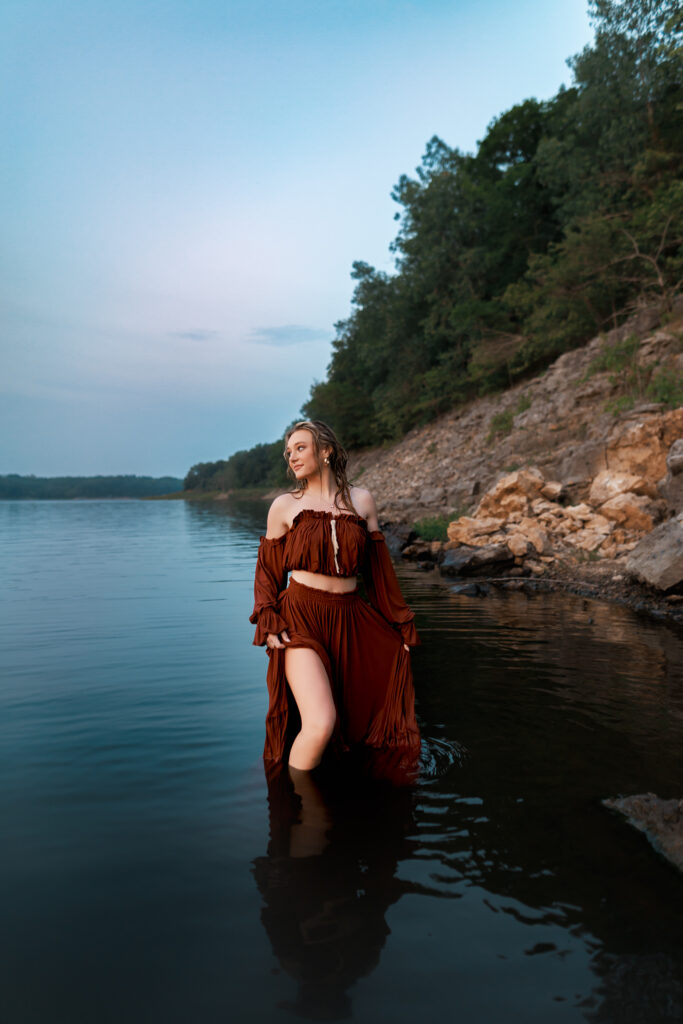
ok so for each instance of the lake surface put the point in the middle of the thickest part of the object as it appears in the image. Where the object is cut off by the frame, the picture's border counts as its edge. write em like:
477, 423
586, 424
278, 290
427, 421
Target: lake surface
150, 871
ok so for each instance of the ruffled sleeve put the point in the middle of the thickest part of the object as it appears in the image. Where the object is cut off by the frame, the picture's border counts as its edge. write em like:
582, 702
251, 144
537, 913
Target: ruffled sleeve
269, 581
383, 590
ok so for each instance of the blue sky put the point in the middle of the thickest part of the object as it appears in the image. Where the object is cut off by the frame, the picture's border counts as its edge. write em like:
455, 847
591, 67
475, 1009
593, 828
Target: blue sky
185, 185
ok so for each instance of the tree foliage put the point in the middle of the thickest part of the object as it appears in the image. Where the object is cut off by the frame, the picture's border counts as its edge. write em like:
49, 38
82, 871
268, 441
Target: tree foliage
260, 467
569, 213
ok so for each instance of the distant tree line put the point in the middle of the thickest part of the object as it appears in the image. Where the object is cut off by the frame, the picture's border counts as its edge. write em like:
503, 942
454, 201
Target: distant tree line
14, 486
569, 215
260, 467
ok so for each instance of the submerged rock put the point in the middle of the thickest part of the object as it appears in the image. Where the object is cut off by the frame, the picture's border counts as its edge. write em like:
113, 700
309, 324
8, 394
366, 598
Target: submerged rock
469, 589
660, 820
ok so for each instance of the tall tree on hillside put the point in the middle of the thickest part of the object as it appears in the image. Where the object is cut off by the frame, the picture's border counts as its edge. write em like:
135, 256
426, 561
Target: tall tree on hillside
568, 215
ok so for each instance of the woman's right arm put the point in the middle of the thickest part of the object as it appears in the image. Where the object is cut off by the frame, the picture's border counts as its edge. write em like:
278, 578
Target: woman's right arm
270, 579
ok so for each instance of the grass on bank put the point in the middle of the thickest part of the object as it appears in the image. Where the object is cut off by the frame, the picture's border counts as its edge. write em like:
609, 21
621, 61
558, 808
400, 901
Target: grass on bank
657, 383
503, 422
436, 527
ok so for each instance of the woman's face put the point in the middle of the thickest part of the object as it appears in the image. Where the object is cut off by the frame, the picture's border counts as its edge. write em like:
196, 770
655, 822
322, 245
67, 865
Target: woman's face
300, 454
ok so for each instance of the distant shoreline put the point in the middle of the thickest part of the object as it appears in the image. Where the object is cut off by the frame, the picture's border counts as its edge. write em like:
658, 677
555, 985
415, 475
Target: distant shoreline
243, 493
122, 486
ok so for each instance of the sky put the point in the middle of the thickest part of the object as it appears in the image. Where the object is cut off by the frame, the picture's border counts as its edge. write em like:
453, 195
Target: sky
185, 184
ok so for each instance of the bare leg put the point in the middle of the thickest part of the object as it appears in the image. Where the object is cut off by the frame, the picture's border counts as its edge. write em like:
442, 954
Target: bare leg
308, 838
308, 681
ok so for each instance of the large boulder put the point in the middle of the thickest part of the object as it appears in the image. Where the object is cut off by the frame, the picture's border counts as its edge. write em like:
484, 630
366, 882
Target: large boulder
632, 511
674, 460
658, 557
609, 483
473, 532
529, 529
660, 820
512, 493
581, 461
518, 545
671, 487
553, 490
640, 444
471, 561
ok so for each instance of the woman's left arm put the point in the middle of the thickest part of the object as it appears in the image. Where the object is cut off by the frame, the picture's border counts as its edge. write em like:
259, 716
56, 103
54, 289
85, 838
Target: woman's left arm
380, 579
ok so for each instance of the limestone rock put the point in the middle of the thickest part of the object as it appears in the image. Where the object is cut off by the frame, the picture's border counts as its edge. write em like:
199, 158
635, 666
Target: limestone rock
660, 820
586, 539
539, 506
471, 561
609, 549
581, 462
432, 496
569, 439
552, 490
658, 558
600, 523
397, 536
641, 446
671, 487
609, 483
581, 512
473, 532
674, 460
421, 551
511, 493
536, 536
632, 511
518, 544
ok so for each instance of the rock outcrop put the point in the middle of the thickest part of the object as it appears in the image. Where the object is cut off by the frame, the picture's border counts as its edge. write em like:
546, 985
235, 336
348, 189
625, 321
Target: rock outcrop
658, 558
569, 478
515, 513
559, 422
671, 487
660, 820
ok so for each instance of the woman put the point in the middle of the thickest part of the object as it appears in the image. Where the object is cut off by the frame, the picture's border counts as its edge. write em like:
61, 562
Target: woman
339, 668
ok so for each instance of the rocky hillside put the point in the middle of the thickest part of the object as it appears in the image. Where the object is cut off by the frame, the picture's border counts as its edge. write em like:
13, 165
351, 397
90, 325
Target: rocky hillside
557, 422
572, 461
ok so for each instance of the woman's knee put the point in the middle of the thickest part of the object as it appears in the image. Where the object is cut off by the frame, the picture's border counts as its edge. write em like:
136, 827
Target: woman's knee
319, 726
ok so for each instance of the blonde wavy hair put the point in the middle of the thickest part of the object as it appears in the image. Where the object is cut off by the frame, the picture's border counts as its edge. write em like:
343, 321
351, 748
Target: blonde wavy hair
323, 437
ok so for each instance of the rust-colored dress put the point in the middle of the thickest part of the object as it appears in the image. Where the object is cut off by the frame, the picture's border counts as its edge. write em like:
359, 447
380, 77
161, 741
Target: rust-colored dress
360, 644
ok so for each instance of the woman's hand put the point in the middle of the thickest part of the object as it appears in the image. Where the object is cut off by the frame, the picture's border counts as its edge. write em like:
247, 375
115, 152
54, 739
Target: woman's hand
273, 639
407, 648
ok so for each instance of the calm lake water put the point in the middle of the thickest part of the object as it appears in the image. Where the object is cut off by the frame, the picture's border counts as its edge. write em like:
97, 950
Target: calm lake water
151, 873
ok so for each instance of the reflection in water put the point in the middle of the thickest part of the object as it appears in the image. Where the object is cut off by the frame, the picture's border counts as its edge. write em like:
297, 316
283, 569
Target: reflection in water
495, 887
328, 878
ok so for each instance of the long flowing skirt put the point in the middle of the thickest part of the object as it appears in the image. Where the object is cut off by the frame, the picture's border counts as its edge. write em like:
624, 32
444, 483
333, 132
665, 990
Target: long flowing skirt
367, 665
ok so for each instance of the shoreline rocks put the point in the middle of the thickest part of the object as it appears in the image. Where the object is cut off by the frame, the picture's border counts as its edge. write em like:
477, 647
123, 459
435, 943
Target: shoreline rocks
569, 492
658, 558
660, 820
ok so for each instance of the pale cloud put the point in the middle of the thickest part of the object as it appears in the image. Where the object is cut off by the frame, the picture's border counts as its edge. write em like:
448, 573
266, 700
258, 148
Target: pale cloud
288, 334
195, 334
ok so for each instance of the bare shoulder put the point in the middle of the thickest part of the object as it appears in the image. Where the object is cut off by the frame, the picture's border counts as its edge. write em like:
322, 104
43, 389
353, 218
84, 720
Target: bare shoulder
364, 503
280, 515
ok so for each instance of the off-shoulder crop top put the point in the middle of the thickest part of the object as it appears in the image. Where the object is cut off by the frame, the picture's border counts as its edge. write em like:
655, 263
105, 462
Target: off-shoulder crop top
334, 545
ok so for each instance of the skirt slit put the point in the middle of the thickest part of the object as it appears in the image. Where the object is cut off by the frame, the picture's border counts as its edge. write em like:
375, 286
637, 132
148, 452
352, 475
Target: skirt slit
368, 668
